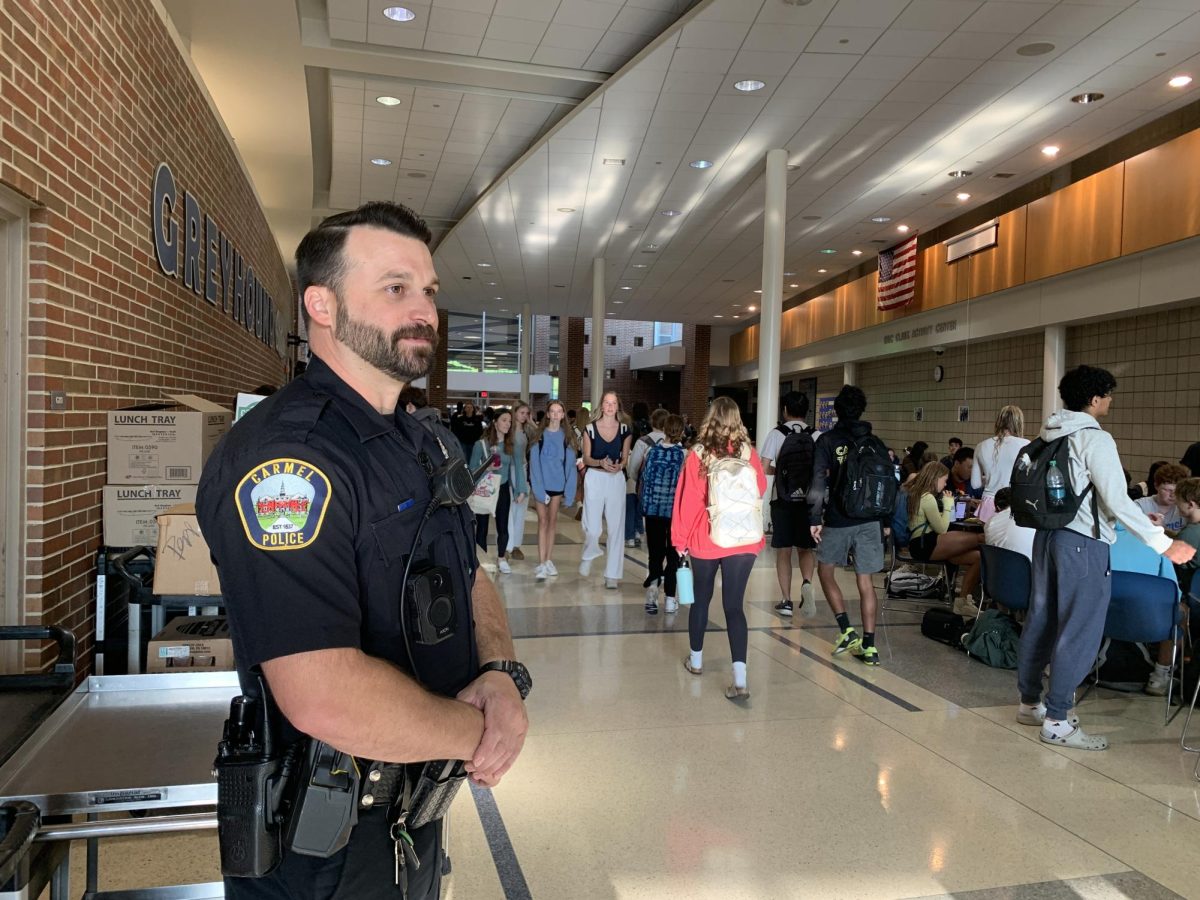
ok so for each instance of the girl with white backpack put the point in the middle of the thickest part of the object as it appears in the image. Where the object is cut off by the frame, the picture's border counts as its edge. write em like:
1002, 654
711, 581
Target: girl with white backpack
717, 523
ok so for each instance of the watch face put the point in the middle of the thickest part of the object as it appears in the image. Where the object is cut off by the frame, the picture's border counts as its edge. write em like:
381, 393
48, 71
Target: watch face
938, 372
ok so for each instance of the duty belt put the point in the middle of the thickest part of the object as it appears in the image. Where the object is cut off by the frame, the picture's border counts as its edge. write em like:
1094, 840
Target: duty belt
382, 785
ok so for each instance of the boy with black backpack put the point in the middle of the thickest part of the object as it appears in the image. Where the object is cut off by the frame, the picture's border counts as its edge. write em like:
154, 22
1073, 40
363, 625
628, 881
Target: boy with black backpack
853, 464
1069, 485
787, 453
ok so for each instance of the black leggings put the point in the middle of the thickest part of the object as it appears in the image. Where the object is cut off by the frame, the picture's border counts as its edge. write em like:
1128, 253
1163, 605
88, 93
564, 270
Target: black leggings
503, 504
661, 556
735, 572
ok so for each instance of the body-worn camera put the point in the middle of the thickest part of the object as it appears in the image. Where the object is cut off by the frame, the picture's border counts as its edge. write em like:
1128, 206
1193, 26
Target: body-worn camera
429, 593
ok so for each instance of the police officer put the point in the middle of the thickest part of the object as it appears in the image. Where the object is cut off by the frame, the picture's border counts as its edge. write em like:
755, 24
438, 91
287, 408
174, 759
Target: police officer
311, 506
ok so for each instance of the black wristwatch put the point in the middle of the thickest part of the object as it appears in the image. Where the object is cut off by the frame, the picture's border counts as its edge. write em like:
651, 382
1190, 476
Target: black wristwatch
514, 670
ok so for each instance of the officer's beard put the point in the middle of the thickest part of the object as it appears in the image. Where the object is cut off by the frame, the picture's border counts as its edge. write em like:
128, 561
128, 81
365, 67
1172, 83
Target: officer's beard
389, 356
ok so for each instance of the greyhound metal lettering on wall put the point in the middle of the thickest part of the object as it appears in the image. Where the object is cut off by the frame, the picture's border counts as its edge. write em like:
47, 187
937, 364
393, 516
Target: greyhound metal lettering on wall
211, 266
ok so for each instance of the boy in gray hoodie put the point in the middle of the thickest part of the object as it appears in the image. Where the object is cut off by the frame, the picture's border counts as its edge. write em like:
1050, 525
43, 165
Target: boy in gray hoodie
1071, 583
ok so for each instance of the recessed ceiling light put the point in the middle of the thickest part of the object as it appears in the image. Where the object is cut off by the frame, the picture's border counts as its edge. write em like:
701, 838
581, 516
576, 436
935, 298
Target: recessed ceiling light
1180, 81
1038, 48
389, 101
788, 274
505, 309
752, 308
881, 219
749, 85
960, 173
491, 284
758, 291
856, 252
1089, 97
963, 195
822, 271
737, 317
828, 252
1050, 150
639, 265
399, 13
380, 161
484, 265
498, 298
718, 316
626, 287
903, 229
670, 212
618, 302
566, 209
608, 314
700, 164
613, 161
652, 246
793, 285
736, 305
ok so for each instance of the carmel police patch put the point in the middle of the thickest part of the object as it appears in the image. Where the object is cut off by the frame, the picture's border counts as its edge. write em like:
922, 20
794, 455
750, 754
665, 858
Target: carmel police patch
282, 504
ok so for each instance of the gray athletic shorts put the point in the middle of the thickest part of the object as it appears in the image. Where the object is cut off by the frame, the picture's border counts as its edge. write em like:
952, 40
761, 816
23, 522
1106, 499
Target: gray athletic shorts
866, 540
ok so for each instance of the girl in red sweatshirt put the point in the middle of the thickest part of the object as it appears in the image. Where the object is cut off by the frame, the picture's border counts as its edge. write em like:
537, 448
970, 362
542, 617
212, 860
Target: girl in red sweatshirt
720, 493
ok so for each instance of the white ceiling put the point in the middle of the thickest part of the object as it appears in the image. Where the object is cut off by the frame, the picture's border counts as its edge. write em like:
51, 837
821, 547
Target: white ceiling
508, 111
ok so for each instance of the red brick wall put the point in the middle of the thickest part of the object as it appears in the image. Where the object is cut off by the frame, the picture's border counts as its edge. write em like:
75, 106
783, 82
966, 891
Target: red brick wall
633, 386
436, 380
572, 355
694, 387
93, 95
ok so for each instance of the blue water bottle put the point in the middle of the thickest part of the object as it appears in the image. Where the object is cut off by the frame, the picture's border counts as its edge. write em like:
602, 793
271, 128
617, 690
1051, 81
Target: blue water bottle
685, 591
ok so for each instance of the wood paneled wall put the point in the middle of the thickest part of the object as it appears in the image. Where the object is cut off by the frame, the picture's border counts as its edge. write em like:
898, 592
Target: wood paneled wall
1147, 201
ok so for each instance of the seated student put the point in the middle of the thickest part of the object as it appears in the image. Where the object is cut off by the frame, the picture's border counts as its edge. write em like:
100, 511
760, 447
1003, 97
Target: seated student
930, 508
1160, 506
1002, 530
954, 444
1128, 554
960, 475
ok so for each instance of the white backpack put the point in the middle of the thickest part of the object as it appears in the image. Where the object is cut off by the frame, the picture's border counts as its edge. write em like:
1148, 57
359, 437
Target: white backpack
734, 502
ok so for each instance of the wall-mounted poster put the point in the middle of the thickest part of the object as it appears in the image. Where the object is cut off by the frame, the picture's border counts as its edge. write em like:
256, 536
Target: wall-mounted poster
964, 413
919, 414
825, 414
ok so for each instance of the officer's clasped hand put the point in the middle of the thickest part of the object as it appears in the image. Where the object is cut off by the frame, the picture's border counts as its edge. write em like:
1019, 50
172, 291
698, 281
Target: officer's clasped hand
505, 724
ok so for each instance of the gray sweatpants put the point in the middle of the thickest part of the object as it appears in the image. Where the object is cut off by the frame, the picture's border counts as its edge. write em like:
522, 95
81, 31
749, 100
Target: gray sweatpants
1065, 623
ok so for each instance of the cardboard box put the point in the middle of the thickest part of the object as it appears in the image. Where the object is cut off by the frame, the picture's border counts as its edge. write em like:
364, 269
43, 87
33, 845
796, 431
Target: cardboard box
130, 511
164, 443
190, 643
183, 566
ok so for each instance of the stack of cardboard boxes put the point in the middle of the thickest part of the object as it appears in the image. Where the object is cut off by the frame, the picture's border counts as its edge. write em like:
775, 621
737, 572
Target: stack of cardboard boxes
155, 457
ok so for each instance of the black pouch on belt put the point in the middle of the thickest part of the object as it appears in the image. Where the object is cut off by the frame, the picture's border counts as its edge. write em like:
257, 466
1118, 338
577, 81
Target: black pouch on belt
324, 808
433, 791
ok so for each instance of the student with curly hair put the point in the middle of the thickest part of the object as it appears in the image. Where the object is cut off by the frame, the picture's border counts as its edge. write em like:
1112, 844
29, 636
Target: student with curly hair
714, 505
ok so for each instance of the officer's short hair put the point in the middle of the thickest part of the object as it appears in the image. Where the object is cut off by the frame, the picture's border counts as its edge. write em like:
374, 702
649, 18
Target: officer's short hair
319, 257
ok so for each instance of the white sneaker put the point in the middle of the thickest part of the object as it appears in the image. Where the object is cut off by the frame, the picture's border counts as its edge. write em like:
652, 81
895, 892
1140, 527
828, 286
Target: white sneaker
504, 567
540, 572
672, 605
965, 607
1158, 683
550, 570
611, 584
631, 543
652, 599
585, 568
808, 605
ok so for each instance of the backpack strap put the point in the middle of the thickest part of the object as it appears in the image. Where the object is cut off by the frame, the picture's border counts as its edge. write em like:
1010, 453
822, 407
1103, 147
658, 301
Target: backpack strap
783, 429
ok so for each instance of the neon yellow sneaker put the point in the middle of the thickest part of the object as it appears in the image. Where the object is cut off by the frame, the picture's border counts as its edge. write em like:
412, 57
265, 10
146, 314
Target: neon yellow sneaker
847, 640
868, 655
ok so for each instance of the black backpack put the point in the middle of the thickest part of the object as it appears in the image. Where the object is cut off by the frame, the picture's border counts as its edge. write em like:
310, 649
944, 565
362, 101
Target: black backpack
868, 480
794, 465
1030, 499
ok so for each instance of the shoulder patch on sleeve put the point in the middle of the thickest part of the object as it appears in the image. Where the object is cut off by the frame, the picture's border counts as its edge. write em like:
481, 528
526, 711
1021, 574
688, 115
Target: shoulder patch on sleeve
282, 503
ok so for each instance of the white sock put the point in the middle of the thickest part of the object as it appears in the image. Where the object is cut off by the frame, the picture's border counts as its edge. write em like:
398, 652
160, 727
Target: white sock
1034, 708
739, 675
696, 660
1057, 727
1162, 671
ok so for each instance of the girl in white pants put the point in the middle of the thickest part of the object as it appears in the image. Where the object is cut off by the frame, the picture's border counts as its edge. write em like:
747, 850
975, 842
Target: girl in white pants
606, 444
523, 432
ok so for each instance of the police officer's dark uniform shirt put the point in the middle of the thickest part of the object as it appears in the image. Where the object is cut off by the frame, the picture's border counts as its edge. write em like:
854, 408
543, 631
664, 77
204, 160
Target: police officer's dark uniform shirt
310, 505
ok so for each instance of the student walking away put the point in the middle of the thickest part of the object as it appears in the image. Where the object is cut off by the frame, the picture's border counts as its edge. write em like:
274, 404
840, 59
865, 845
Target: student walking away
641, 426
658, 479
606, 443
467, 427
498, 442
1069, 485
553, 477
717, 523
852, 464
931, 503
524, 431
787, 453
994, 458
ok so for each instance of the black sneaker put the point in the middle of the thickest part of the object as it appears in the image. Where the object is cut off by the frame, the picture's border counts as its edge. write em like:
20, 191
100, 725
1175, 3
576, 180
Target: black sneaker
784, 608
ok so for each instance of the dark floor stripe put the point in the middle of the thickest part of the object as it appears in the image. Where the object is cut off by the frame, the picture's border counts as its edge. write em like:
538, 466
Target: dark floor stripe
637, 562
682, 629
508, 867
873, 688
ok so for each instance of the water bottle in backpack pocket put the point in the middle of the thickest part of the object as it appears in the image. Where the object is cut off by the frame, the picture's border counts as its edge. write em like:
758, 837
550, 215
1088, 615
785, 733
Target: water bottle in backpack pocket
1043, 495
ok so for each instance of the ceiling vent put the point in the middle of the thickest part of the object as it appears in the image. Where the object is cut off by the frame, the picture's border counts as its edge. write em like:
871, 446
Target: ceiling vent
1004, 175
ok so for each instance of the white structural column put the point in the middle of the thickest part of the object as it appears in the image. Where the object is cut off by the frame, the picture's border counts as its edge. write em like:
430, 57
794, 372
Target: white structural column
597, 367
1054, 366
774, 221
526, 349
849, 373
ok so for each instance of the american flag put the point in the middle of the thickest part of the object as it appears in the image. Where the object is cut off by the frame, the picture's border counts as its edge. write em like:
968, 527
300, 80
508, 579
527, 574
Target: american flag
897, 275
